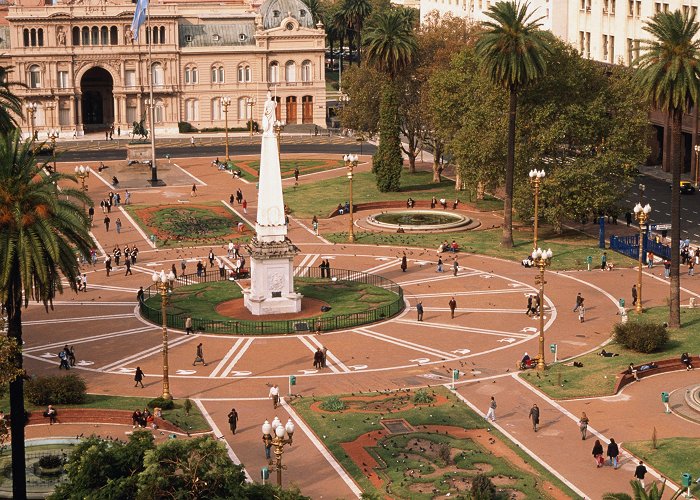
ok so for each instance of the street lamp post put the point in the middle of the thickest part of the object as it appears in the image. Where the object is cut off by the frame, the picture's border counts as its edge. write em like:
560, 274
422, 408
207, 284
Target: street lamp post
164, 284
273, 436
82, 173
541, 259
641, 213
536, 177
250, 102
697, 156
351, 163
31, 111
278, 126
53, 135
225, 103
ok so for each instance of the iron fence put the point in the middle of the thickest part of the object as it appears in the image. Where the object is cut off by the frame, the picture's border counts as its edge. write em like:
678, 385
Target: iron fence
267, 327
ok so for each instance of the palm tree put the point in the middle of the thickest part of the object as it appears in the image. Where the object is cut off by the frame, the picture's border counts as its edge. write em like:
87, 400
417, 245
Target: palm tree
355, 13
390, 46
668, 73
651, 492
316, 9
512, 49
10, 104
40, 233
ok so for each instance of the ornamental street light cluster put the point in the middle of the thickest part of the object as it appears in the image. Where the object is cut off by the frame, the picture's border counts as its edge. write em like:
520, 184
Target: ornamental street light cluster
274, 436
225, 103
53, 134
641, 213
536, 177
82, 173
31, 113
351, 163
278, 126
164, 285
541, 259
250, 102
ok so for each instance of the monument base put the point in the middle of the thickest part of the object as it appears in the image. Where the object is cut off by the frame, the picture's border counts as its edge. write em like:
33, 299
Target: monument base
138, 152
271, 284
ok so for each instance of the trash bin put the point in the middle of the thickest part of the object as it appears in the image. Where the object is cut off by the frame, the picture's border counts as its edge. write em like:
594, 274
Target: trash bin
664, 397
686, 479
621, 302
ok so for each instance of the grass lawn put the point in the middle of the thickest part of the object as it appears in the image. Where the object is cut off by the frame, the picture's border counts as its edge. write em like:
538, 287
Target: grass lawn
343, 427
570, 248
344, 297
321, 198
597, 377
287, 167
672, 457
194, 423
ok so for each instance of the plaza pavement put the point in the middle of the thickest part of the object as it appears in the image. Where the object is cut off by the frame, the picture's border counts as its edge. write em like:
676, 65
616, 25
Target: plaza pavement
488, 335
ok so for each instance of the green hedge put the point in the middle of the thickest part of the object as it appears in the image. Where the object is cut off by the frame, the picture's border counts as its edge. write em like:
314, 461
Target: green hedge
641, 336
66, 389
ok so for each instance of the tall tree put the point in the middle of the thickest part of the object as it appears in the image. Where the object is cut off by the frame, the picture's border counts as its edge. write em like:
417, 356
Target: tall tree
40, 233
10, 104
668, 72
390, 46
316, 9
355, 13
512, 48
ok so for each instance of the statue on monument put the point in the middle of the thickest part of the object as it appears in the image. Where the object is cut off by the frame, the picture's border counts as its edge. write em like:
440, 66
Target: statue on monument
139, 129
269, 115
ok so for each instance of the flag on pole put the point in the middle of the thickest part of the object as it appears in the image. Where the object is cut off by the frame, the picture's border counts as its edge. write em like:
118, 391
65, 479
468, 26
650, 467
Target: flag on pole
139, 17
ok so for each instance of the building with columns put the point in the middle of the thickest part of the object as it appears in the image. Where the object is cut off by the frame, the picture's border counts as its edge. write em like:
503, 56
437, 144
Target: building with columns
85, 72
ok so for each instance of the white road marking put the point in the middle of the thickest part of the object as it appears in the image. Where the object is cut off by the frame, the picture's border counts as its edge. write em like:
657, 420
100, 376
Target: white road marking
144, 354
93, 338
192, 176
404, 343
237, 358
78, 319
137, 227
225, 359
469, 329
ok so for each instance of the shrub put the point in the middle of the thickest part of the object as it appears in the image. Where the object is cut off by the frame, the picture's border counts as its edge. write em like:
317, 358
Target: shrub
163, 404
483, 488
641, 336
187, 406
422, 397
333, 403
445, 453
68, 389
50, 461
185, 127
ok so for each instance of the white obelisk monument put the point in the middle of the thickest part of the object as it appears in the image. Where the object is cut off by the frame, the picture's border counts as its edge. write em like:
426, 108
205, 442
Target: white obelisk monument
271, 252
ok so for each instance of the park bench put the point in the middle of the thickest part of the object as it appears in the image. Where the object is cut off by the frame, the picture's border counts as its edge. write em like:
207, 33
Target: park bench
94, 416
663, 366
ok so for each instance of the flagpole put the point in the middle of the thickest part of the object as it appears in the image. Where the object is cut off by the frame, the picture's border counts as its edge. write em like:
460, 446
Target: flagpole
151, 112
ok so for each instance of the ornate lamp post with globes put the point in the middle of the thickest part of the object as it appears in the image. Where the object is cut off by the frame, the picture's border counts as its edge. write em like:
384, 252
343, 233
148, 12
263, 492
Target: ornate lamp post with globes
273, 436
250, 102
536, 177
641, 213
164, 284
351, 163
31, 112
53, 134
82, 173
541, 259
225, 103
278, 126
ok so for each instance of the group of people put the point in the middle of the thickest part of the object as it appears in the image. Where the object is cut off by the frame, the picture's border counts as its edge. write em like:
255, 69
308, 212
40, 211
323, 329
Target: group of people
343, 209
448, 247
66, 357
238, 197
320, 358
144, 418
533, 305
325, 267
130, 254
580, 307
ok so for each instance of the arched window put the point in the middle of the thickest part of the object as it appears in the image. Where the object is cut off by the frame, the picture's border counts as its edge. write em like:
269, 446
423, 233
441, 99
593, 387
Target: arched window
159, 111
191, 75
26, 37
156, 35
274, 73
290, 72
76, 35
217, 74
306, 71
113, 35
191, 110
221, 74
40, 37
34, 76
195, 74
85, 35
104, 35
243, 109
95, 36
32, 37
216, 109
157, 72
188, 76
244, 73
162, 34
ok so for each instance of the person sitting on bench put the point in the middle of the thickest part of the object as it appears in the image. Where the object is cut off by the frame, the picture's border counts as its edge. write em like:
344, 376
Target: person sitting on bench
685, 359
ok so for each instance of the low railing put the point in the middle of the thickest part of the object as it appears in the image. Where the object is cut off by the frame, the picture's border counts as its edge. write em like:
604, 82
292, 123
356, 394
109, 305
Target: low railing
629, 246
266, 327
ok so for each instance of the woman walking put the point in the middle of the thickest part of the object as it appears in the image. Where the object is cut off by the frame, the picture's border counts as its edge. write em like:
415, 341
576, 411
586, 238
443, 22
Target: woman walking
583, 425
138, 377
598, 453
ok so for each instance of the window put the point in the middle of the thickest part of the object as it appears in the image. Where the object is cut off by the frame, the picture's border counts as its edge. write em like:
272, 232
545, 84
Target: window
605, 47
657, 7
581, 41
242, 37
113, 35
221, 74
216, 108
94, 36
130, 78
26, 37
188, 38
290, 72
104, 35
195, 75
162, 34
34, 77
62, 79
192, 110
131, 115
630, 12
588, 45
243, 110
157, 72
159, 111
85, 36
63, 116
306, 71
244, 73
217, 74
612, 49
76, 35
188, 76
274, 73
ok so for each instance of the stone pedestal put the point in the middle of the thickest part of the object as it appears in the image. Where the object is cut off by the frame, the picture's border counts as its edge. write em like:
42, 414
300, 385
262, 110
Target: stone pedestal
271, 285
140, 152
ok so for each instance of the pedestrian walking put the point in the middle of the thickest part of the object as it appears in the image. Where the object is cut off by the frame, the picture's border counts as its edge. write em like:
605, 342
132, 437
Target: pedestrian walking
453, 306
91, 214
188, 325
107, 221
192, 141
134, 254
199, 356
63, 357
245, 206
634, 295
491, 413
639, 472
194, 190
140, 295
211, 258
598, 453
318, 359
233, 420
108, 265
419, 310
581, 314
274, 394
84, 282
535, 416
268, 446
583, 425
71, 356
127, 197
529, 305
118, 225
613, 452
667, 268
239, 196
127, 263
455, 267
439, 265
324, 356
296, 174
138, 377
183, 265
691, 267
604, 261
579, 301
404, 263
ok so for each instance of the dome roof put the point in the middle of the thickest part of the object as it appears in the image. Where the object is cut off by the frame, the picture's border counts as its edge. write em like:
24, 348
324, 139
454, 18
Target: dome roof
274, 11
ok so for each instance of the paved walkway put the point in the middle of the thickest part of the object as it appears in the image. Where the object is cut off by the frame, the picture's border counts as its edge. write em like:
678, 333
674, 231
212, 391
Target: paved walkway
488, 334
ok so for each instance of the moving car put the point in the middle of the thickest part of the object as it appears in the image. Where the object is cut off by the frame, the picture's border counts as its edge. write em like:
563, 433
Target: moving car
687, 187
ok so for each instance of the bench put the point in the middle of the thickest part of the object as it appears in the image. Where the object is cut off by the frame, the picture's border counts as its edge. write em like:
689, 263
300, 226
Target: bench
93, 416
663, 366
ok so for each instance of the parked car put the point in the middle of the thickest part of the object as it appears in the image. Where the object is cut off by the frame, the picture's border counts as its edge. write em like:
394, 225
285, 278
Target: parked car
687, 187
